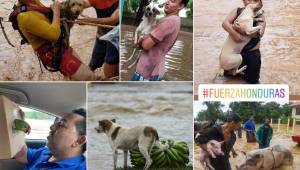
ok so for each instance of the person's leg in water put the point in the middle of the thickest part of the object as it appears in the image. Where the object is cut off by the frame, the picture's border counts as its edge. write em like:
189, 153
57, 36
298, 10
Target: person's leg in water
111, 64
253, 61
98, 54
99, 59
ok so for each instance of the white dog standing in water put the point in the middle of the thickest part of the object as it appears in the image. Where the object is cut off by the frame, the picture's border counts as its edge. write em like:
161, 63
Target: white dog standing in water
230, 57
123, 138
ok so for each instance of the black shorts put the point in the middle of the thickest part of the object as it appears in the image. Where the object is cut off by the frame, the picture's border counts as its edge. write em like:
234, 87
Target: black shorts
104, 52
253, 61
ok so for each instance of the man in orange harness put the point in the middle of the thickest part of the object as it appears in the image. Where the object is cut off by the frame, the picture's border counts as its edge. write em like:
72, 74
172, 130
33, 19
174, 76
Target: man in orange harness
105, 54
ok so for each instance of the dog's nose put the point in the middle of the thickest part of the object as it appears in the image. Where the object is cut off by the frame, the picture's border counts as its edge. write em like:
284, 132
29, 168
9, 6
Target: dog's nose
150, 14
77, 13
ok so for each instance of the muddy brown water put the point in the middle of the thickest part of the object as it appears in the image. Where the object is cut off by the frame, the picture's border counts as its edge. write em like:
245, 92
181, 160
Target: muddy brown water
20, 62
282, 137
279, 46
179, 60
167, 107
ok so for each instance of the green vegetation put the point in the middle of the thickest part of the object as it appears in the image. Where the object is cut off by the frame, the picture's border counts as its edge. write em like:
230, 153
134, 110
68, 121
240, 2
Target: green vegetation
131, 6
182, 168
175, 156
189, 12
38, 115
260, 111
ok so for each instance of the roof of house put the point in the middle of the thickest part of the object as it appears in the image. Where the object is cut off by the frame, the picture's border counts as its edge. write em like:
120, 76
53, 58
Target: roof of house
295, 104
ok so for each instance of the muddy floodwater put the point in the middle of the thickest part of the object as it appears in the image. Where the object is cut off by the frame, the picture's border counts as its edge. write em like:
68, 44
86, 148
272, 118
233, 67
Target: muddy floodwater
282, 137
20, 62
179, 60
167, 107
279, 45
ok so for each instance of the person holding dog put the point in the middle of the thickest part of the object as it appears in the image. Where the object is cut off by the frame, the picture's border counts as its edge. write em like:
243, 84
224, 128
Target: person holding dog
151, 63
225, 135
65, 148
105, 53
39, 26
251, 52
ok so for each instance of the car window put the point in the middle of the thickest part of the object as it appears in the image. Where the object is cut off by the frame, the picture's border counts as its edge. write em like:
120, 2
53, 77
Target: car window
40, 123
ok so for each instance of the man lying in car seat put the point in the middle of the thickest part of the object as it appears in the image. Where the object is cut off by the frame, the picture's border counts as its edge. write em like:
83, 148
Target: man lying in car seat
65, 147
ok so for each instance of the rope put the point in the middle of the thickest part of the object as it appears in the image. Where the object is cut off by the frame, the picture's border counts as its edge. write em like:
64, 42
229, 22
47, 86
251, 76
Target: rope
4, 33
91, 24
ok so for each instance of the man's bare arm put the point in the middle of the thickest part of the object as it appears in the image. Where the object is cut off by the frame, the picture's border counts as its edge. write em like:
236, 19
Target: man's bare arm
112, 20
228, 26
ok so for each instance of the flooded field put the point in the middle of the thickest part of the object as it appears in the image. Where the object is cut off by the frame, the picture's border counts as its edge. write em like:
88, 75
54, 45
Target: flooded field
279, 46
282, 137
167, 107
179, 61
20, 62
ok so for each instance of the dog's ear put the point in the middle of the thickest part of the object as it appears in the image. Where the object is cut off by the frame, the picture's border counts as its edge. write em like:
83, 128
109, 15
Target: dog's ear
113, 120
260, 4
156, 11
105, 124
161, 5
244, 153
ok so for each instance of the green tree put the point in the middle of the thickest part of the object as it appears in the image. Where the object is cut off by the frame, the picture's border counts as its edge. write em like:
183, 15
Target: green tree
212, 112
134, 4
189, 12
245, 109
261, 110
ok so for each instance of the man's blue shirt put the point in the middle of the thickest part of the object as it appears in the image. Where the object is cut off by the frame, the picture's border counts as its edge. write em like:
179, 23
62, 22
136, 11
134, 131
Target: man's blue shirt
250, 125
38, 160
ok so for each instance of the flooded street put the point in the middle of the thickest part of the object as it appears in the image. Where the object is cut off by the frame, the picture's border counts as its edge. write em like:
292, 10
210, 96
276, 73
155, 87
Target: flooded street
20, 62
282, 137
279, 45
179, 61
167, 107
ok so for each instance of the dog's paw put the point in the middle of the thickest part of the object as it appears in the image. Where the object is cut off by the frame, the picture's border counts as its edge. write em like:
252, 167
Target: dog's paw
261, 32
260, 12
259, 20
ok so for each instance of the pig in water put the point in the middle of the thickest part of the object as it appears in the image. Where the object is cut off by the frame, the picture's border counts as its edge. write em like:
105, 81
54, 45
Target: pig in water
267, 159
213, 149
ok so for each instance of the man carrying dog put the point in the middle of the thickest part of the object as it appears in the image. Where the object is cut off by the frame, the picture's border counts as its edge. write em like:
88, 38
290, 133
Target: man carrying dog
226, 136
104, 53
251, 52
65, 148
151, 64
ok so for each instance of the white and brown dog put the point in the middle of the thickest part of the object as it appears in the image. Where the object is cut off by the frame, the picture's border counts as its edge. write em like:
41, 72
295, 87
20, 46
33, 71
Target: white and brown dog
145, 27
230, 57
123, 138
